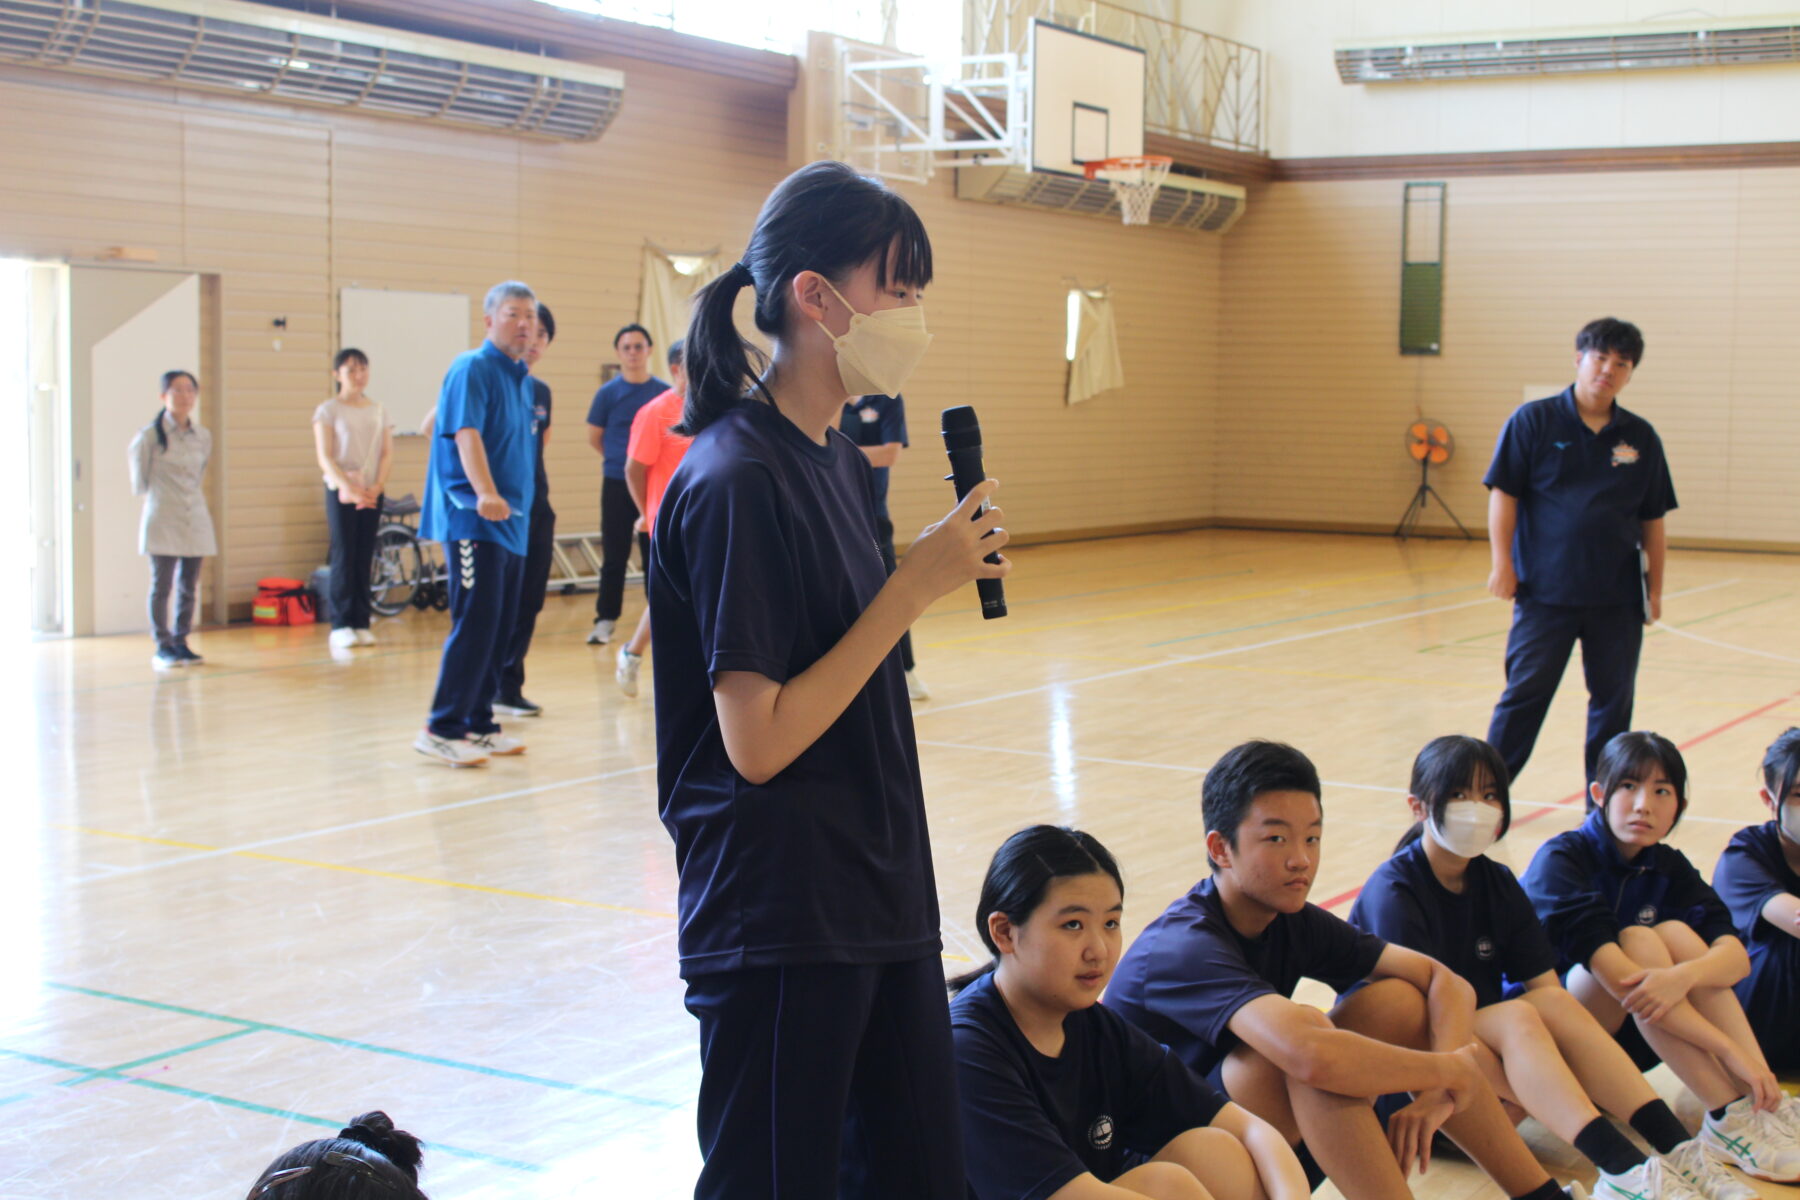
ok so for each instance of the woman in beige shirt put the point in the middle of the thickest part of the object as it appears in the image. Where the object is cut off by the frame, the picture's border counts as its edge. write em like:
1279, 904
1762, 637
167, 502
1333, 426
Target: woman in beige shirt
355, 445
168, 460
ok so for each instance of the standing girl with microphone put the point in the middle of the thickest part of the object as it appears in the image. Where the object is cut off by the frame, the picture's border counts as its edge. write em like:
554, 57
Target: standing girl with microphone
788, 774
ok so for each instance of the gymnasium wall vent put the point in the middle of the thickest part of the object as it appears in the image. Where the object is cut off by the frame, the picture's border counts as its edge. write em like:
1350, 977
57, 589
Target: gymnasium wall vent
248, 50
1182, 202
1727, 43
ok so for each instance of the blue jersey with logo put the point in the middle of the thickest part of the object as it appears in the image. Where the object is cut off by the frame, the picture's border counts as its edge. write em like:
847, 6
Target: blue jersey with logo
1583, 498
1032, 1123
1585, 892
488, 392
1487, 933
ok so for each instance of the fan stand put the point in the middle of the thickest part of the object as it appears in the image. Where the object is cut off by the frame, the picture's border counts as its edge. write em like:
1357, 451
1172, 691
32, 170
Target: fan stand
1415, 509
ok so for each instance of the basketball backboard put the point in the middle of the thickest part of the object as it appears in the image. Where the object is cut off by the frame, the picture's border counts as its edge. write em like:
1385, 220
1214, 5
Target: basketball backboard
1087, 99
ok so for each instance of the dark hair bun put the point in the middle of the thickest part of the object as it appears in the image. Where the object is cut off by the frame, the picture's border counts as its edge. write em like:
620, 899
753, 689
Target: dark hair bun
376, 1131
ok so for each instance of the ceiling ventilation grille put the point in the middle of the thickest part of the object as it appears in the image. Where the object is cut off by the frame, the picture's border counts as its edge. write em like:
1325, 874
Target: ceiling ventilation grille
1472, 56
248, 50
1182, 202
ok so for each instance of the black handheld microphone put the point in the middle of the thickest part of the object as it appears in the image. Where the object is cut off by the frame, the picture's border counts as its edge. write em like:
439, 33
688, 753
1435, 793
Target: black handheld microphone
962, 441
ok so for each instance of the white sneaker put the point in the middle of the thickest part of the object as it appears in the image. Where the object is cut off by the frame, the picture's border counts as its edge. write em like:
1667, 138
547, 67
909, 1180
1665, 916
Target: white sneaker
1653, 1179
342, 638
601, 633
497, 744
1756, 1143
364, 638
1788, 1113
627, 672
915, 687
454, 752
1706, 1176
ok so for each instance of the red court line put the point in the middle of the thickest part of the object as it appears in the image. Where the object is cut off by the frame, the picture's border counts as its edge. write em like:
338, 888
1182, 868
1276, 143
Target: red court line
1546, 809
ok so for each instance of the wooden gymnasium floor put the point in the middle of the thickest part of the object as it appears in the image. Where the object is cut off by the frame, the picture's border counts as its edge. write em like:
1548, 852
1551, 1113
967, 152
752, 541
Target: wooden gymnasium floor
241, 909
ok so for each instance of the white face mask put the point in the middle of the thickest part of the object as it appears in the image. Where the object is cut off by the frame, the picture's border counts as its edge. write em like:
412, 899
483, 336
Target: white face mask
1790, 820
877, 354
1469, 828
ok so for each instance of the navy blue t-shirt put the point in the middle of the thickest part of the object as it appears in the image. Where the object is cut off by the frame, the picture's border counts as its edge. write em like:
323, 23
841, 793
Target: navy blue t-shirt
615, 404
1031, 1123
1752, 871
1583, 498
764, 556
489, 392
1189, 972
1585, 891
540, 500
1487, 933
876, 421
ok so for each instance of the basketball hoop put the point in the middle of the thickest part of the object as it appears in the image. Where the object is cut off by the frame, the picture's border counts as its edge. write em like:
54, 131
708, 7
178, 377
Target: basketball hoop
1134, 181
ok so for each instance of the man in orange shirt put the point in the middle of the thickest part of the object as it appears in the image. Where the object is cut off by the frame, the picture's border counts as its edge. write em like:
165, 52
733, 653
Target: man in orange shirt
650, 459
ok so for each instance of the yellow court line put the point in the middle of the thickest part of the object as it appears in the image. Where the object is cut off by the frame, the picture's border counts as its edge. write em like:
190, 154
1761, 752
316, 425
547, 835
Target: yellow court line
1319, 585
404, 878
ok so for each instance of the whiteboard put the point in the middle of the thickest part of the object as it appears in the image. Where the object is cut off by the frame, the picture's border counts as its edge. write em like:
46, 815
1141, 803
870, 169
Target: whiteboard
410, 338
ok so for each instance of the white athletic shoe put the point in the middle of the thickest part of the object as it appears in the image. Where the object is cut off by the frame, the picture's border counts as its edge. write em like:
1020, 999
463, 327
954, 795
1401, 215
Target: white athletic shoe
601, 633
453, 752
1756, 1143
627, 672
915, 687
1788, 1113
343, 637
1653, 1179
167, 660
1705, 1175
364, 638
497, 744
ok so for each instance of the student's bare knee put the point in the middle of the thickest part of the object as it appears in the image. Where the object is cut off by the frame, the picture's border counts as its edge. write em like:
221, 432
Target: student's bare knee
1388, 1010
1644, 946
1198, 1148
1163, 1181
1255, 1083
1556, 1006
1682, 942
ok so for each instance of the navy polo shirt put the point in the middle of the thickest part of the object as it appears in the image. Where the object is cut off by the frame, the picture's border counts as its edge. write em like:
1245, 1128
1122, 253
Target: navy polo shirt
1032, 1123
1583, 498
540, 503
1585, 892
1752, 871
615, 404
764, 556
1189, 972
876, 421
1487, 933
489, 392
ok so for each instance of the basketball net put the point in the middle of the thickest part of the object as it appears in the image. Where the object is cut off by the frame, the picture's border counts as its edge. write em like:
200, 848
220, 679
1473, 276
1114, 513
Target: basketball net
1134, 181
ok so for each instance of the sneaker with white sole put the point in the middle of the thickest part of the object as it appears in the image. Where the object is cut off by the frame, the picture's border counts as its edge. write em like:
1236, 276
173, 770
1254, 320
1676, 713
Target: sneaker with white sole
1653, 1179
342, 638
497, 743
915, 687
364, 638
518, 706
166, 659
627, 672
454, 752
1705, 1175
187, 653
1756, 1143
601, 633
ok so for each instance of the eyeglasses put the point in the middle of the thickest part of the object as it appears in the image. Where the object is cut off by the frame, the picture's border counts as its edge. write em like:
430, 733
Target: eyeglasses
333, 1158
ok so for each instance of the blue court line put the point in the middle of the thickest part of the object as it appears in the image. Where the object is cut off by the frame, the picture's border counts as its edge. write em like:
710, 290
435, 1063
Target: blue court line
371, 1048
176, 1089
1192, 637
1133, 587
148, 1059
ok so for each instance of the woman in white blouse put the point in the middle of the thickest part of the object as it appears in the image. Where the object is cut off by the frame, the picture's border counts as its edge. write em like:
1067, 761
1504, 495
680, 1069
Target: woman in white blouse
355, 445
168, 462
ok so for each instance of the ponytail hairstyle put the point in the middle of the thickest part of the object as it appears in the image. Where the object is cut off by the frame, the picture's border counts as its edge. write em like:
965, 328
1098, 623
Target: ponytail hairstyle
1024, 867
1781, 767
825, 218
1447, 765
368, 1160
1633, 756
162, 389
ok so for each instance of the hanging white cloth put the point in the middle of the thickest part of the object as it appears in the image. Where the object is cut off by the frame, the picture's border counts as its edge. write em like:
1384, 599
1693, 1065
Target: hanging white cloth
667, 295
1096, 366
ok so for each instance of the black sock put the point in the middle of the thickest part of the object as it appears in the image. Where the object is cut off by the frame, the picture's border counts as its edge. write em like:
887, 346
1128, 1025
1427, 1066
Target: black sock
1657, 1124
1718, 1114
1548, 1190
1607, 1148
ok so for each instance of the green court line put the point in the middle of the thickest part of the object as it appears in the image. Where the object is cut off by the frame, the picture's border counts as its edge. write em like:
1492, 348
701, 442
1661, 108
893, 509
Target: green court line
1735, 608
148, 1059
176, 1089
372, 1048
1192, 637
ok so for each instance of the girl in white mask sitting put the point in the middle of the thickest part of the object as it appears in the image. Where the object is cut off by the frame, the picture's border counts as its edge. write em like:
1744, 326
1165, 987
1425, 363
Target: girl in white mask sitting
1543, 1052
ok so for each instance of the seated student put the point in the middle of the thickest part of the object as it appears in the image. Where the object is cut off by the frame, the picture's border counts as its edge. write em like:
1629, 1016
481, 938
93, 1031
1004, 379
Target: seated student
368, 1157
1639, 935
1212, 976
1758, 878
1060, 1098
1441, 895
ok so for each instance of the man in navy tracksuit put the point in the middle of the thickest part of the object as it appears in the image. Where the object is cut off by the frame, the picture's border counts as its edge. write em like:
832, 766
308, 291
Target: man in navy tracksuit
1577, 486
479, 487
